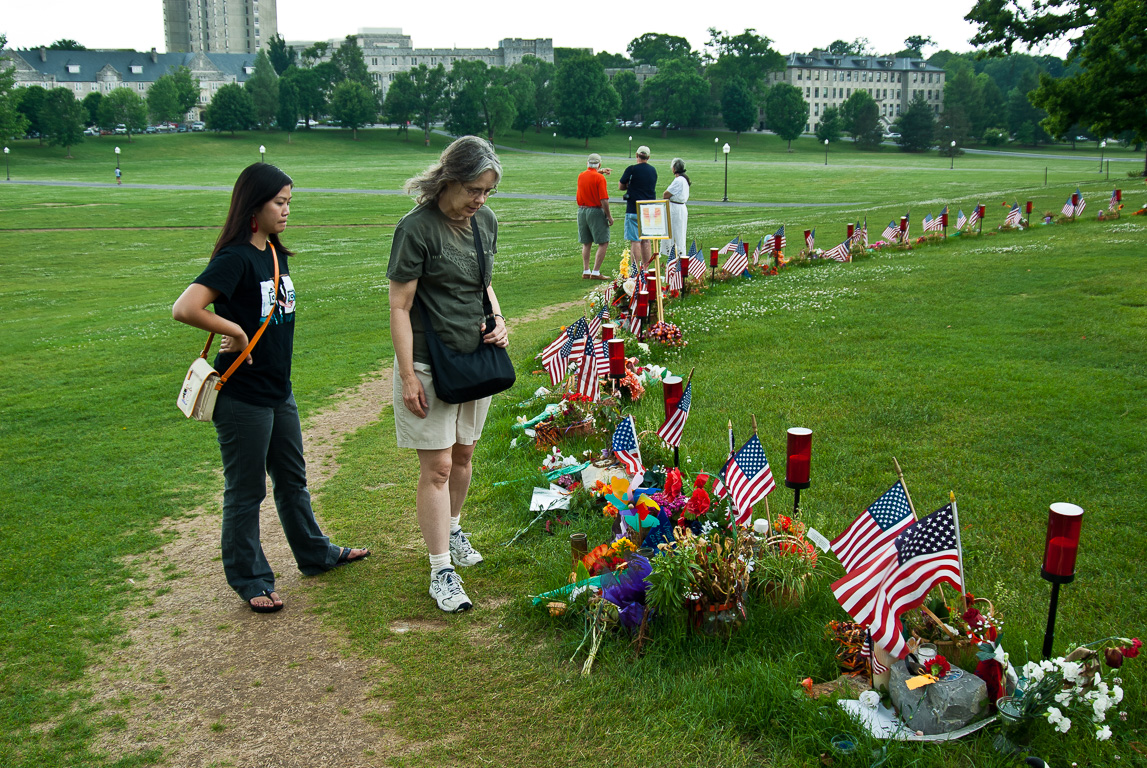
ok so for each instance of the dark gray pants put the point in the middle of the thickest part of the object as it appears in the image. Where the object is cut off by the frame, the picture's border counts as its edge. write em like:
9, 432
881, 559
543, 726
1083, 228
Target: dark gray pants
257, 441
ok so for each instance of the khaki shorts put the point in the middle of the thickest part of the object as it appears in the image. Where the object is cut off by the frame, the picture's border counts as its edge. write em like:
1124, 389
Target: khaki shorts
591, 226
445, 425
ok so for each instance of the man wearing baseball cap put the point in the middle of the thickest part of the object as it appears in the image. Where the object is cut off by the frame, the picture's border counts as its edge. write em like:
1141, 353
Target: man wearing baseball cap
593, 216
639, 182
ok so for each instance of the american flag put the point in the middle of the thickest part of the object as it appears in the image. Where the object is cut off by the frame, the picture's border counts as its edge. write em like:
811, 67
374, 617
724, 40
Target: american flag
1111, 206
737, 263
639, 285
866, 652
747, 477
810, 241
874, 530
1082, 203
975, 217
670, 431
943, 213
596, 321
734, 244
927, 553
698, 266
588, 383
625, 446
840, 252
569, 343
864, 232
908, 226
961, 220
1068, 209
928, 225
773, 242
1013, 219
673, 274
760, 249
891, 232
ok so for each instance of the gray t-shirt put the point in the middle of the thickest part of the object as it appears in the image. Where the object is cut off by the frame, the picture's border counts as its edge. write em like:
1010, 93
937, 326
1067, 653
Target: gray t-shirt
441, 256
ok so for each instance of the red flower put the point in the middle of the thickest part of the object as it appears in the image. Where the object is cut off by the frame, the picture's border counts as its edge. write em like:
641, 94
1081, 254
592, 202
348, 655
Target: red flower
673, 484
1131, 651
938, 667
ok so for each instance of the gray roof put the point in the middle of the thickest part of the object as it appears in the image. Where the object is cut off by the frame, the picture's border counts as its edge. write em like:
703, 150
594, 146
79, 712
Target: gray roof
827, 60
55, 64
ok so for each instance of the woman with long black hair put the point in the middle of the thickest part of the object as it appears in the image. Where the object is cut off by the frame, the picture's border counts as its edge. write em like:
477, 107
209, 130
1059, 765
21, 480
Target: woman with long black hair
256, 419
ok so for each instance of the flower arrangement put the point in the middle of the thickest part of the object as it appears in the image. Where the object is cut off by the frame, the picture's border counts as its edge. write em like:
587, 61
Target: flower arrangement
786, 562
667, 334
958, 625
707, 576
937, 667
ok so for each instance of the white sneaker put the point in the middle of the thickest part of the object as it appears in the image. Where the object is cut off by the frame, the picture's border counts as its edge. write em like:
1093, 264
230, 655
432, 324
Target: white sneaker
461, 553
446, 589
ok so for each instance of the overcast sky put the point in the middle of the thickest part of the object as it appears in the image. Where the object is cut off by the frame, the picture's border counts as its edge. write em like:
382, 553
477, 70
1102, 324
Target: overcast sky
793, 27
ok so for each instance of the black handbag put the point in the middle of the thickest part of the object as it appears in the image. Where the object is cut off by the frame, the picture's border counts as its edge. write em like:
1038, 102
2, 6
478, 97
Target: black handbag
459, 377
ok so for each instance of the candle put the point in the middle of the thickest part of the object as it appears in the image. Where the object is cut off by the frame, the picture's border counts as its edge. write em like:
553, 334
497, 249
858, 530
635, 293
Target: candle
643, 303
851, 230
1062, 543
684, 262
797, 468
1029, 207
1119, 195
1060, 556
712, 257
672, 390
776, 243
799, 455
903, 223
607, 330
944, 219
616, 357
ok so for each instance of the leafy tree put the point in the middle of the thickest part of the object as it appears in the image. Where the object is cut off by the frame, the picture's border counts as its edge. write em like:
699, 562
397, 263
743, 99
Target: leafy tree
914, 46
858, 47
353, 105
561, 54
352, 65
1024, 118
1105, 87
738, 107
282, 55
263, 85
315, 53
327, 75
12, 121
29, 102
468, 83
542, 73
962, 96
172, 95
677, 94
288, 116
747, 56
953, 126
655, 48
124, 106
91, 103
522, 91
398, 106
916, 126
500, 109
232, 109
430, 88
613, 60
584, 100
786, 112
312, 99
62, 118
860, 117
66, 44
628, 93
828, 129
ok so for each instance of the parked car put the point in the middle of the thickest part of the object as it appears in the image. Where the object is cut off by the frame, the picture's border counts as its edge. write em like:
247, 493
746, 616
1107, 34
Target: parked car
120, 129
655, 124
91, 130
892, 135
182, 128
198, 125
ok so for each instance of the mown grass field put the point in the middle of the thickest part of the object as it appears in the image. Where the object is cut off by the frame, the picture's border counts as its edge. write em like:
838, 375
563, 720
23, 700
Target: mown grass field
1007, 368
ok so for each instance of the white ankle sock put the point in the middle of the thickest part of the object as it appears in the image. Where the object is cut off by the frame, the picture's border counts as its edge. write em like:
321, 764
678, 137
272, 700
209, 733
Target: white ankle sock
438, 562
596, 272
585, 271
455, 524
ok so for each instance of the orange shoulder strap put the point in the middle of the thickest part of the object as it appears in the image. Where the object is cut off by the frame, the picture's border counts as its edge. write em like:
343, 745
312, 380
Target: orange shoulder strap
251, 344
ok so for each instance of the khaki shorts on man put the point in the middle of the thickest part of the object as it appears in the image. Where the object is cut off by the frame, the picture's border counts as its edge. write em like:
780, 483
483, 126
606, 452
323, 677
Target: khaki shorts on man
591, 226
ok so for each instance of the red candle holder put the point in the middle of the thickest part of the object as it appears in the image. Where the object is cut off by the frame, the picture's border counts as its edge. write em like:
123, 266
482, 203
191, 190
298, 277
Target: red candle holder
643, 304
1029, 207
983, 210
903, 223
713, 257
607, 331
1075, 199
776, 243
1062, 542
616, 357
672, 388
684, 262
851, 230
799, 456
1119, 195
944, 219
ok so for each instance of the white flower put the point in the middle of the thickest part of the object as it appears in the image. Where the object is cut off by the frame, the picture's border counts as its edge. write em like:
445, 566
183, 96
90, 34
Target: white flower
1116, 695
514, 443
1104, 733
870, 699
1033, 672
1071, 671
1063, 697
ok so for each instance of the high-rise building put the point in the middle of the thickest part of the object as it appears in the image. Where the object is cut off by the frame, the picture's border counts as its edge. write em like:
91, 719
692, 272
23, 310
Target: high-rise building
219, 26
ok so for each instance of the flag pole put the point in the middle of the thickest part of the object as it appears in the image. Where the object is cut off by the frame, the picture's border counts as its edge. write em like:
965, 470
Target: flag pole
959, 546
768, 514
903, 485
657, 281
676, 454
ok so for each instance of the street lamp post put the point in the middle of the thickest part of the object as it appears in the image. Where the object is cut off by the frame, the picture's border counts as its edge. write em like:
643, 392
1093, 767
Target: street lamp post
262, 151
952, 152
631, 146
117, 158
7, 171
1102, 146
716, 147
725, 149
555, 142
826, 151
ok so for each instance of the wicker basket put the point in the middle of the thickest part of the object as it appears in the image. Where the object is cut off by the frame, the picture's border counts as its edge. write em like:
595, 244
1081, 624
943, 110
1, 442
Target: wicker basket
962, 651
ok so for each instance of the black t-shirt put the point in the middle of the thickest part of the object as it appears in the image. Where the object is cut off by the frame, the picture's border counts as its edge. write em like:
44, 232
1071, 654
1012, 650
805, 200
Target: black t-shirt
243, 275
641, 181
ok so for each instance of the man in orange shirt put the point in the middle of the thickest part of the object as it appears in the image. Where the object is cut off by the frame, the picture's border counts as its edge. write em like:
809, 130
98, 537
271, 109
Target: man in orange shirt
593, 217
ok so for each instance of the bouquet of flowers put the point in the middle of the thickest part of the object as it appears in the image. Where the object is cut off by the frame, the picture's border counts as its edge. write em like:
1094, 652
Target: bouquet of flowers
667, 334
786, 562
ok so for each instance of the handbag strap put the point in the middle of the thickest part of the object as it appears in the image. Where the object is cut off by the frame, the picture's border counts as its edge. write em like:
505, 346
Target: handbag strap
487, 306
258, 334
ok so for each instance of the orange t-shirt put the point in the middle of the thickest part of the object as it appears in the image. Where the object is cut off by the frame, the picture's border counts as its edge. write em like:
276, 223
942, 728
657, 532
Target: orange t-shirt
591, 188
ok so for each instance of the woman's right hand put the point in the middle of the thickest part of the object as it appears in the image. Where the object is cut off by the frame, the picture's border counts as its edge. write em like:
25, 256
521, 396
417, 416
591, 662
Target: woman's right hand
414, 397
234, 345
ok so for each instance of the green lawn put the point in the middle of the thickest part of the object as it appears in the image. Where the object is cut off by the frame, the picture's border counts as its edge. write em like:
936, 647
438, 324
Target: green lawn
1007, 368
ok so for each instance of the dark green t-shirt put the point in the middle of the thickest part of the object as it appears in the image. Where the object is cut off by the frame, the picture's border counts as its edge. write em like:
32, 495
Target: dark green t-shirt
441, 256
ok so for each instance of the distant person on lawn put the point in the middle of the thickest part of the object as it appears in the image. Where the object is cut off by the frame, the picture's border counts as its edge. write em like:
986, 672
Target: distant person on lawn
256, 419
593, 216
639, 182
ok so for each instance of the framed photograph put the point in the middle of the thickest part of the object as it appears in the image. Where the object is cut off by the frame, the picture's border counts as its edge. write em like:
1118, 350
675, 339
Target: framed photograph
653, 220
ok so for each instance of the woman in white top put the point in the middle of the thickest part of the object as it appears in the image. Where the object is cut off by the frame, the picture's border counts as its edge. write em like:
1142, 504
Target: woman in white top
678, 194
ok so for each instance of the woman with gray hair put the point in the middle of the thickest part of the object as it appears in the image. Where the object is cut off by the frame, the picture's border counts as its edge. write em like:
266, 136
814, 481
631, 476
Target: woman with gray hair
677, 193
434, 258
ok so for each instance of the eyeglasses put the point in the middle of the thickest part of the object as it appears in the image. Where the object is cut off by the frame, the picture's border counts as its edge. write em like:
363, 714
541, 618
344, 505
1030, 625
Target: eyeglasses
476, 192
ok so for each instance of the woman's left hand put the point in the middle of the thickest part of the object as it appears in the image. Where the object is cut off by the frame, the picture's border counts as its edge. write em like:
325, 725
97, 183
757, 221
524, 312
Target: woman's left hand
499, 335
